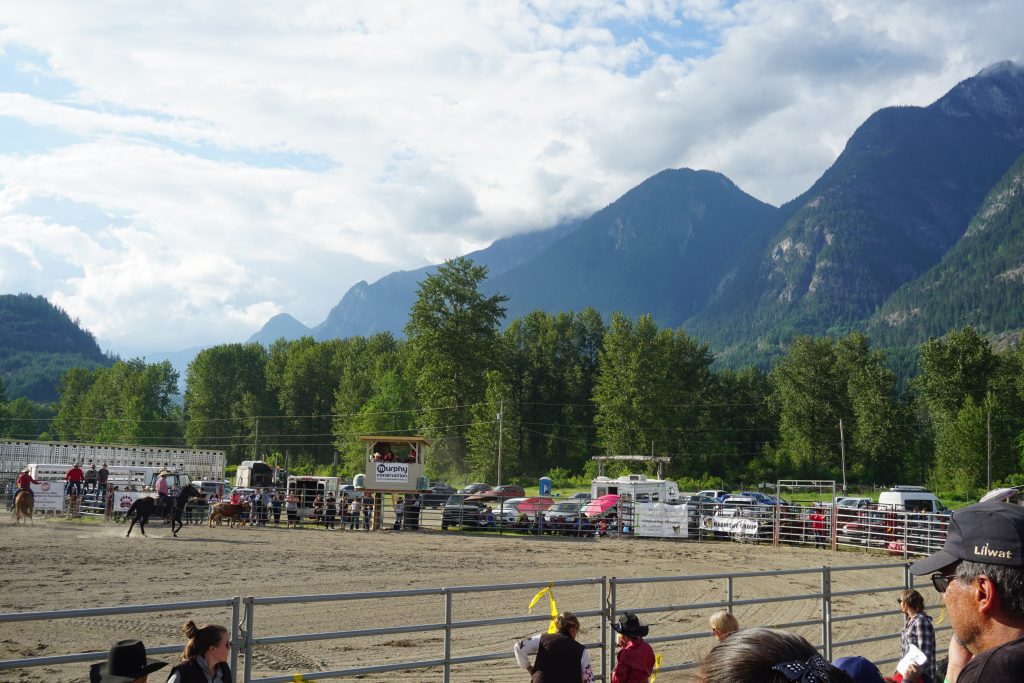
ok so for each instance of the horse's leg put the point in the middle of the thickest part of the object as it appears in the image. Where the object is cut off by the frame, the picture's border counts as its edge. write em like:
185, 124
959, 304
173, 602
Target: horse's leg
130, 527
176, 519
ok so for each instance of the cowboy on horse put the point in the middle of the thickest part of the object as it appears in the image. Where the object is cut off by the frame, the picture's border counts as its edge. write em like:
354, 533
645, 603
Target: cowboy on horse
24, 499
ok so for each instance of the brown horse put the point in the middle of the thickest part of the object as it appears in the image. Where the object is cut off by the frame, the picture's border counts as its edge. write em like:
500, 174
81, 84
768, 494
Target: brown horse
24, 505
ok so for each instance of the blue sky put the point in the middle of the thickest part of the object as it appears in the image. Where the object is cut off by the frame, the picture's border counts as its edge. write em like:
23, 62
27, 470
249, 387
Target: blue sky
175, 175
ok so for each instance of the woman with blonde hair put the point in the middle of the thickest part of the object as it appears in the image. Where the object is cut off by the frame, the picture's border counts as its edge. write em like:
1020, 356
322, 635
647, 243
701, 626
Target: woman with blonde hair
560, 659
722, 624
205, 659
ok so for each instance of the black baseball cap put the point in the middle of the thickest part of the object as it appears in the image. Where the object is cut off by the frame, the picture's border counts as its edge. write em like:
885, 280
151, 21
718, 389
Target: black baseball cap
991, 533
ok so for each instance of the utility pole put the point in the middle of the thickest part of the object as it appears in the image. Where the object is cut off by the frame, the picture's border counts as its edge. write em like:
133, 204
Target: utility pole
256, 441
501, 430
990, 451
842, 452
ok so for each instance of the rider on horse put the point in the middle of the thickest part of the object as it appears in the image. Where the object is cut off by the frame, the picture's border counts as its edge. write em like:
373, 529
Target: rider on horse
163, 494
25, 481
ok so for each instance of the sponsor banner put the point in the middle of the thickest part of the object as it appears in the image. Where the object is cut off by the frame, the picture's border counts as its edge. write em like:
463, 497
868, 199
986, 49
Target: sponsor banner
393, 472
124, 499
49, 495
660, 520
730, 525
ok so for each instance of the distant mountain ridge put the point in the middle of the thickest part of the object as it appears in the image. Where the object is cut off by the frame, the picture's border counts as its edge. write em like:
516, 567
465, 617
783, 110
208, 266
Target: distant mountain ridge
693, 250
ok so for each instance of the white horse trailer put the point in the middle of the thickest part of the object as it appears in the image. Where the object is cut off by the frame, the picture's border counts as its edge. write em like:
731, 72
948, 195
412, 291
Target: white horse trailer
635, 487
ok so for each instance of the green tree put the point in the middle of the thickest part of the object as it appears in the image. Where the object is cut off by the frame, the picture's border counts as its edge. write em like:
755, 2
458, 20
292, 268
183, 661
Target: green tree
227, 393
483, 434
452, 333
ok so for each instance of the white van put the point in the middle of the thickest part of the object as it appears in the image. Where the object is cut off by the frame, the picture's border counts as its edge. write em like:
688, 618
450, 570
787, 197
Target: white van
911, 499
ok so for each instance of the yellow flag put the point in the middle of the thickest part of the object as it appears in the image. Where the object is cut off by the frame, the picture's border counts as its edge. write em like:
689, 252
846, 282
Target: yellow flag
551, 600
657, 665
942, 615
297, 678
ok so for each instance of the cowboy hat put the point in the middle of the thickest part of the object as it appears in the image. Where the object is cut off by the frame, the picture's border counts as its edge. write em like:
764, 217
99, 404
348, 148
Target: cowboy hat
163, 473
126, 662
630, 625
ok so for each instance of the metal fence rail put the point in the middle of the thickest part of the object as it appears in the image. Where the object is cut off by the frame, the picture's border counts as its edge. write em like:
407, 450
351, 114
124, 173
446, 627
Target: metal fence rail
827, 620
12, 617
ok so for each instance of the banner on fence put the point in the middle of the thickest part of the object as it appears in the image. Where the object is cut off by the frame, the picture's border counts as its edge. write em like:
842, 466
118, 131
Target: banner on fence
730, 525
660, 520
49, 495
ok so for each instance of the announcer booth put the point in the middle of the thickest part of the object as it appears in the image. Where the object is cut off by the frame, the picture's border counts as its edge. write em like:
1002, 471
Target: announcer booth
395, 465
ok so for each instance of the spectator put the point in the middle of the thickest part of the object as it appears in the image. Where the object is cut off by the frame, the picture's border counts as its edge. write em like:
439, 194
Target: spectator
205, 659
318, 509
722, 624
980, 573
367, 510
559, 656
90, 478
330, 510
859, 669
74, 478
126, 663
354, 509
917, 630
291, 506
399, 514
275, 502
817, 518
102, 475
764, 655
634, 659
266, 502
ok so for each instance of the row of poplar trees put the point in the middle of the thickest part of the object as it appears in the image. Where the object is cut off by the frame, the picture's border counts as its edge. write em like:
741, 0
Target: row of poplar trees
549, 391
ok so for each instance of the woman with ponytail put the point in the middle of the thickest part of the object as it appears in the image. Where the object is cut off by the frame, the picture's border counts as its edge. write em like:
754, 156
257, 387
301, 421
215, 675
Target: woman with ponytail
205, 659
560, 659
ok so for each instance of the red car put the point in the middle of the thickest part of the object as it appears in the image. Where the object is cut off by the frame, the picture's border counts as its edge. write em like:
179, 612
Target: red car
499, 492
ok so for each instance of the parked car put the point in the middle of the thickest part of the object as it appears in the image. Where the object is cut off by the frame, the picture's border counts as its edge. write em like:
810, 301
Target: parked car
470, 489
583, 496
854, 502
696, 502
762, 498
499, 492
742, 506
506, 512
438, 494
564, 516
461, 512
717, 494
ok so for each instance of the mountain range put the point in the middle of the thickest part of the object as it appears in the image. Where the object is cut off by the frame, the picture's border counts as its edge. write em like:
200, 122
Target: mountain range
890, 226
916, 229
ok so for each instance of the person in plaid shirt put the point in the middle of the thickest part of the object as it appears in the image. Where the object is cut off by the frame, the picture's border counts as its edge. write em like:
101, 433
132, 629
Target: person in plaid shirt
918, 631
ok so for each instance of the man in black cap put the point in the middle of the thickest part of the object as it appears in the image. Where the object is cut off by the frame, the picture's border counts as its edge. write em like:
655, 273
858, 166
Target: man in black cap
126, 663
980, 573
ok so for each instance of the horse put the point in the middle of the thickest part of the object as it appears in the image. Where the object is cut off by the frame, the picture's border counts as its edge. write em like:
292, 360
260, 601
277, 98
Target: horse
24, 505
145, 507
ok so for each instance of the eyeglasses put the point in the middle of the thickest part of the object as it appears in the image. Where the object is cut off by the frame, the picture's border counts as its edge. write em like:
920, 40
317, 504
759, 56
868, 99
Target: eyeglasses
941, 581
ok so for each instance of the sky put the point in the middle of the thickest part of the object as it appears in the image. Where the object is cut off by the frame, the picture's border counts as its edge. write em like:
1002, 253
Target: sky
174, 174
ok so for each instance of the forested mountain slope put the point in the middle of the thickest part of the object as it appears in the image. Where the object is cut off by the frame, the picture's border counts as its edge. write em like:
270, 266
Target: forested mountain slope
899, 196
979, 282
38, 343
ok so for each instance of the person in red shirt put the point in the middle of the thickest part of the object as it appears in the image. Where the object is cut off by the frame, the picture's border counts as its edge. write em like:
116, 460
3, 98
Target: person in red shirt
74, 479
24, 483
634, 661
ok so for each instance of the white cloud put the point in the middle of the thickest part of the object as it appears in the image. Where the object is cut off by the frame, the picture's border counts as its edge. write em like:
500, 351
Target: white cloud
262, 158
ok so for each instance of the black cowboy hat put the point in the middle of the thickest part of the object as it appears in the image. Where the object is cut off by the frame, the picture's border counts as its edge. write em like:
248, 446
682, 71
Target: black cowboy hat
126, 662
630, 625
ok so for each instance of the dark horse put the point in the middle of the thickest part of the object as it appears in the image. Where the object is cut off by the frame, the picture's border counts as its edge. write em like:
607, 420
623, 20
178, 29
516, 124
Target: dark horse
143, 508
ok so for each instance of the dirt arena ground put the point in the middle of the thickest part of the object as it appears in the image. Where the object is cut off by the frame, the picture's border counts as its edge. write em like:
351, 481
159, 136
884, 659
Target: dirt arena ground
70, 564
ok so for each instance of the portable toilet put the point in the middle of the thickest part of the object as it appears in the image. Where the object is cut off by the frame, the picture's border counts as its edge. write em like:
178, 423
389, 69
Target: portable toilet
545, 486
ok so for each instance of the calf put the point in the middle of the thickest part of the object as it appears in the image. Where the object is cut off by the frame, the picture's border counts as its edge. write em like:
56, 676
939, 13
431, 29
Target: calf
229, 511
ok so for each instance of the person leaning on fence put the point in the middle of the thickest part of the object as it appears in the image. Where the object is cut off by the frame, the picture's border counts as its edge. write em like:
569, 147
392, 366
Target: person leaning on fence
764, 655
917, 631
722, 624
560, 659
74, 478
980, 573
126, 663
205, 659
634, 659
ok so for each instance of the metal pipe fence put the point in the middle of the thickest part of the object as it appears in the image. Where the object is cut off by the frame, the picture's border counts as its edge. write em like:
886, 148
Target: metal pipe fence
813, 602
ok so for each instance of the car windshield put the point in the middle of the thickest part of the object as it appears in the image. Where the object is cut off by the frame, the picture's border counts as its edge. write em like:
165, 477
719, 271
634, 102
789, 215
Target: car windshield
566, 507
455, 500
